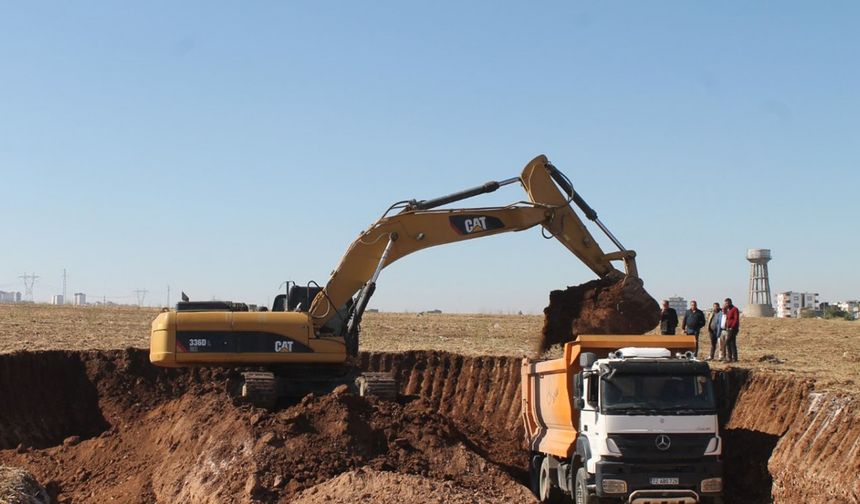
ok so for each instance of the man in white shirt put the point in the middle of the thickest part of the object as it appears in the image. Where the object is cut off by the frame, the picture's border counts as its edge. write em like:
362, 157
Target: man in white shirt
724, 333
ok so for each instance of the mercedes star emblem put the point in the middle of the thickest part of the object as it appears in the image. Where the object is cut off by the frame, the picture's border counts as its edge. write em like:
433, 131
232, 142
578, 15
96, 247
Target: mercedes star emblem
663, 442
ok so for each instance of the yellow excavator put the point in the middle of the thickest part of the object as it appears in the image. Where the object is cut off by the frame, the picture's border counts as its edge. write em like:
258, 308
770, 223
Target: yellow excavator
303, 343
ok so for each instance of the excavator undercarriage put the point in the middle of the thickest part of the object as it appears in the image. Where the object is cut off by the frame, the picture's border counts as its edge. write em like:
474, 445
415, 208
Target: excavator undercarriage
265, 389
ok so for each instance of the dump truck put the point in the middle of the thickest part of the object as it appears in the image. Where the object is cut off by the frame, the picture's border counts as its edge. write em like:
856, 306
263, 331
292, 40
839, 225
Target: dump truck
628, 419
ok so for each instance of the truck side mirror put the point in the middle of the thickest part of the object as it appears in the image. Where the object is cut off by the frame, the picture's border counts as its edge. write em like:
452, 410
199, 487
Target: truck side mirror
586, 360
579, 403
577, 385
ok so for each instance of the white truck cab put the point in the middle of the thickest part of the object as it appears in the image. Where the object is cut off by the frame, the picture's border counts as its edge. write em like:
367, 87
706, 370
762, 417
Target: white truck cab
648, 429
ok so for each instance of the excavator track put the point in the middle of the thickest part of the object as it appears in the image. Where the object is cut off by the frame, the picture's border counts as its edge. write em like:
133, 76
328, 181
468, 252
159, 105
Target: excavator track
381, 385
259, 388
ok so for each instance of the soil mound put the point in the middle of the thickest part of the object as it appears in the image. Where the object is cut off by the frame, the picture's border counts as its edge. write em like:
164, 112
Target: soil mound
598, 307
154, 435
18, 486
383, 487
325, 436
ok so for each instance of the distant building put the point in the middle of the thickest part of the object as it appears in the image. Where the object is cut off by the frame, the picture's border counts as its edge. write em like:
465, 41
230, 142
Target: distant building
10, 297
80, 299
790, 303
678, 303
852, 307
57, 299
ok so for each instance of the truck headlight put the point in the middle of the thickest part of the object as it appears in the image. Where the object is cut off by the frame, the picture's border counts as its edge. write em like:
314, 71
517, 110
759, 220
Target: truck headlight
712, 485
614, 486
713, 445
612, 447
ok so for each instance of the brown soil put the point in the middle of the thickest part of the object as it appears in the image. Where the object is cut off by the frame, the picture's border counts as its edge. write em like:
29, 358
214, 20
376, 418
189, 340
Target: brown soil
383, 487
119, 429
108, 426
786, 443
598, 307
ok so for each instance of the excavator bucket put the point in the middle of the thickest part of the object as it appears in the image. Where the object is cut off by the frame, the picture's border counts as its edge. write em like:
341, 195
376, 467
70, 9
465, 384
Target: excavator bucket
615, 304
605, 306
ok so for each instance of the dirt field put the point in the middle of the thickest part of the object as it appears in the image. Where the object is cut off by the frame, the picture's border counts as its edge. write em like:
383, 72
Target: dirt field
106, 426
824, 350
109, 427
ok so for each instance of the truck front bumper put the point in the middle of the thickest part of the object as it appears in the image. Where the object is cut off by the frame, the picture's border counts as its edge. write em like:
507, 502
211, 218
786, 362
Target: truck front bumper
647, 480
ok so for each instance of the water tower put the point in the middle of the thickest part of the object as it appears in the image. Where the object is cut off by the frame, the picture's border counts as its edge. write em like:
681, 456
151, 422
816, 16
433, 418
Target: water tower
758, 304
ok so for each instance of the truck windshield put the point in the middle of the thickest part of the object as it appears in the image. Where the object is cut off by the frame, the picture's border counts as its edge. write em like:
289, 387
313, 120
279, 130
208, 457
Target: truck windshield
685, 394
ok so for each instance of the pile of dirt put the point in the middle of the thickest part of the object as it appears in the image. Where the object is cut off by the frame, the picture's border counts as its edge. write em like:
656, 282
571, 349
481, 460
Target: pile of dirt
602, 306
383, 487
173, 436
325, 436
18, 486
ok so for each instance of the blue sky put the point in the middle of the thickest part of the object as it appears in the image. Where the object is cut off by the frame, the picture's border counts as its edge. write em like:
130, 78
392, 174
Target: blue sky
221, 148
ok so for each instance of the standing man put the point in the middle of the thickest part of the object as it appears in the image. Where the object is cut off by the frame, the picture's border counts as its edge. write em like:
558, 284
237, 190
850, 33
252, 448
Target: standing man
694, 321
733, 324
714, 330
668, 319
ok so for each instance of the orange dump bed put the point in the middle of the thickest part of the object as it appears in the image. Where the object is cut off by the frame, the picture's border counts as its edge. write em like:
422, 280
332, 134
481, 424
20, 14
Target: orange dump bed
547, 387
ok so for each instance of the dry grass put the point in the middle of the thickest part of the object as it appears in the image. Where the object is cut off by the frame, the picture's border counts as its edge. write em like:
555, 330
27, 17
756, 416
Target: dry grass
466, 334
47, 327
824, 350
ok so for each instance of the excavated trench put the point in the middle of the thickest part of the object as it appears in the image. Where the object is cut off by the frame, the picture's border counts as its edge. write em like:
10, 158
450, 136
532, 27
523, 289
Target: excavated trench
100, 426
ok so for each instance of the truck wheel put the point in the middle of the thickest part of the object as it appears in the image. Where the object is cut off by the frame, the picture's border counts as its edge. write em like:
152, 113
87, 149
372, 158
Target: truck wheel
580, 491
549, 491
534, 474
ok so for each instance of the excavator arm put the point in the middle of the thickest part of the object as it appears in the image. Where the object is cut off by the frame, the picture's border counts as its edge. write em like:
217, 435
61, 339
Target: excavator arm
217, 333
420, 224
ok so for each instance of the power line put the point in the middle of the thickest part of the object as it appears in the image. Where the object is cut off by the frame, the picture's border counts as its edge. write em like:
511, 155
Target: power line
29, 281
141, 294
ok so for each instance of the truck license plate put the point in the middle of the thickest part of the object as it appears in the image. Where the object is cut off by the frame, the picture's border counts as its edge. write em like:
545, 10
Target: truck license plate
664, 481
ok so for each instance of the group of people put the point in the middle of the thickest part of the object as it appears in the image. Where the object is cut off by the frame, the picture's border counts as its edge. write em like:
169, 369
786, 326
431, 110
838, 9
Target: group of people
723, 324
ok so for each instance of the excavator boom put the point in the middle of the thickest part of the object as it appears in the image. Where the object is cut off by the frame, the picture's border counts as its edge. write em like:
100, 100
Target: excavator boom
421, 224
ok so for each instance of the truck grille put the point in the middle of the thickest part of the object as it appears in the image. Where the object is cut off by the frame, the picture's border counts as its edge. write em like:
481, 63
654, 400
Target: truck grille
662, 447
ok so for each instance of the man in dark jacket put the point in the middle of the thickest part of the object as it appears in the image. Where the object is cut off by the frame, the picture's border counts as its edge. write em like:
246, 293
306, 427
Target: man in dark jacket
694, 321
668, 319
733, 325
714, 328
